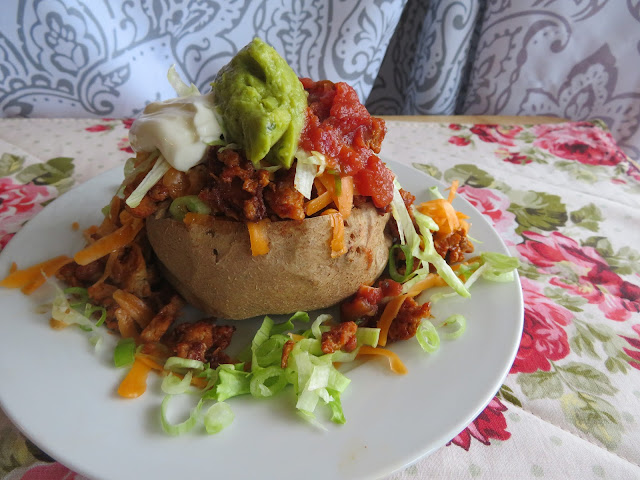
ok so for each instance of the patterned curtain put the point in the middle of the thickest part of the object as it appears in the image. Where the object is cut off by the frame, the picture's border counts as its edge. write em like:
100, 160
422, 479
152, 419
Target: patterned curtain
428, 59
80, 58
576, 59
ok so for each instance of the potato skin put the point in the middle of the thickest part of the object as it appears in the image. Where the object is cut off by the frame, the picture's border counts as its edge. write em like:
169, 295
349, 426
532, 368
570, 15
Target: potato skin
213, 269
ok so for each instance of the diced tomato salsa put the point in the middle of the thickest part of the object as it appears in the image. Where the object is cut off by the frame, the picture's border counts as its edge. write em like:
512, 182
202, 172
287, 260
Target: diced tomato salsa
341, 128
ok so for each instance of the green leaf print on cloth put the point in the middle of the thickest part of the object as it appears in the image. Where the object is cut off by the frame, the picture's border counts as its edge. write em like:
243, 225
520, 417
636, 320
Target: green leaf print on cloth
56, 172
469, 175
593, 416
537, 210
624, 262
9, 164
429, 169
587, 217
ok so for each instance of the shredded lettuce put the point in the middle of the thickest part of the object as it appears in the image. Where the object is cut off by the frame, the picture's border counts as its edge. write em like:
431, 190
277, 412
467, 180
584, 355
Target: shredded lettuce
181, 88
155, 174
308, 166
232, 381
63, 311
315, 326
266, 382
500, 267
428, 254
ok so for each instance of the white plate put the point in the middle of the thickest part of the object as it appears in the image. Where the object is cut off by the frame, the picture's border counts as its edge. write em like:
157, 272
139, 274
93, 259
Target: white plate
62, 394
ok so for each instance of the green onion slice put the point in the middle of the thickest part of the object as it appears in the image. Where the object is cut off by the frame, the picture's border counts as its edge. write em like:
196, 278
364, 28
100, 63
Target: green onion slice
189, 203
181, 365
454, 326
218, 417
174, 385
393, 270
124, 353
178, 428
428, 337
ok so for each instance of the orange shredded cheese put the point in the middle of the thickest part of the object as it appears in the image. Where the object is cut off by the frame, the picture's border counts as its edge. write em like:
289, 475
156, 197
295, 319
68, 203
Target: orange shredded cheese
395, 364
338, 247
258, 237
452, 190
345, 199
29, 279
388, 315
135, 383
75, 226
393, 307
318, 203
112, 242
443, 213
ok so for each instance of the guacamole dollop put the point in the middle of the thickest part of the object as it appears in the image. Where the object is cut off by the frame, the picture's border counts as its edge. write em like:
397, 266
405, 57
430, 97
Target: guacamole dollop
262, 104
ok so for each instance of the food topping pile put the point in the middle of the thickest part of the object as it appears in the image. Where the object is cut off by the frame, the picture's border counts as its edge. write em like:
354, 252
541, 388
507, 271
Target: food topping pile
262, 148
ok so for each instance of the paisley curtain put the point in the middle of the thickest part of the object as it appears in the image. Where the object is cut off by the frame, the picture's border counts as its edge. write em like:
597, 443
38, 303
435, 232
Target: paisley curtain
101, 58
577, 59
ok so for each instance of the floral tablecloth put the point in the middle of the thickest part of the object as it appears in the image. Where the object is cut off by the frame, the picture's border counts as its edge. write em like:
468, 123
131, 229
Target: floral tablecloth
564, 198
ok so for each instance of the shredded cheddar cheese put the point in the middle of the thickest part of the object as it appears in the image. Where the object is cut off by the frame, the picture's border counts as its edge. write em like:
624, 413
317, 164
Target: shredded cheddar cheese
29, 279
395, 364
112, 242
258, 237
338, 246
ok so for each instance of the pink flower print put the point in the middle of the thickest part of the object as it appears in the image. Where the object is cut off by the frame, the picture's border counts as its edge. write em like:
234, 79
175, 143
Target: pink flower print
543, 336
592, 277
579, 141
490, 424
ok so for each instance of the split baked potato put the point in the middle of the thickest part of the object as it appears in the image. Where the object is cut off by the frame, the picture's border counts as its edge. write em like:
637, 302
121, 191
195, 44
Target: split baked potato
214, 270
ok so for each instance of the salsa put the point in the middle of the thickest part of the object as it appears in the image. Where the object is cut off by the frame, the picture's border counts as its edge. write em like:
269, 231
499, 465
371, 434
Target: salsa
341, 128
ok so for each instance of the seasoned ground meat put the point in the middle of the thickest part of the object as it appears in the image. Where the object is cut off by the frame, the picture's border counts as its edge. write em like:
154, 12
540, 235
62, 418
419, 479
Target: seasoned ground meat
283, 198
340, 337
286, 351
204, 341
162, 321
76, 275
406, 323
235, 186
365, 306
453, 247
129, 271
102, 294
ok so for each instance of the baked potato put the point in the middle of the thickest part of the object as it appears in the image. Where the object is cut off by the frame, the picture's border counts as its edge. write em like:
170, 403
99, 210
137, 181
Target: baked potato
212, 267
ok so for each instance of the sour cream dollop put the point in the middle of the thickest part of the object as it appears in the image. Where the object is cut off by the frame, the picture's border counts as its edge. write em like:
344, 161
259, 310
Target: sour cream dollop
181, 128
